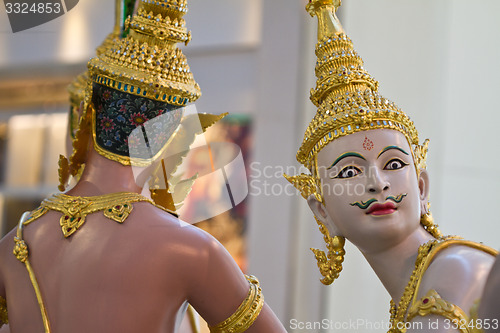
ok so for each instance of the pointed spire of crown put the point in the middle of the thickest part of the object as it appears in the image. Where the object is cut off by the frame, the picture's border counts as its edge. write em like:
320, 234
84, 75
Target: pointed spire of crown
339, 68
346, 94
147, 62
328, 23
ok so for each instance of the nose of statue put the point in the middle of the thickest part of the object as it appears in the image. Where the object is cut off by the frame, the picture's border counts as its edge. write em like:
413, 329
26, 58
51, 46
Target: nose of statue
376, 183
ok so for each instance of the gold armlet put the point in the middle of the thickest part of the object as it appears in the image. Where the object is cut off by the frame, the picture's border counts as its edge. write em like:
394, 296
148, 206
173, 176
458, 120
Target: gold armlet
246, 313
432, 303
4, 318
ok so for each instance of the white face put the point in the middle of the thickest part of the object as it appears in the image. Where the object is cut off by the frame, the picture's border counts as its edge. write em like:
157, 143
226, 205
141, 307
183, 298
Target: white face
370, 187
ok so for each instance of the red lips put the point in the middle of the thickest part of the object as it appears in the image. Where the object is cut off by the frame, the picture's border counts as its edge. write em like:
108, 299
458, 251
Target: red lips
382, 209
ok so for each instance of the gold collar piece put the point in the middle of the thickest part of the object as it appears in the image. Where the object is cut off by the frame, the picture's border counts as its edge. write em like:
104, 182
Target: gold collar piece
115, 206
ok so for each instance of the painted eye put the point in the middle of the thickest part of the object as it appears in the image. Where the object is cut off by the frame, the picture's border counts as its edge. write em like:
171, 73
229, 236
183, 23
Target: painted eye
348, 172
395, 164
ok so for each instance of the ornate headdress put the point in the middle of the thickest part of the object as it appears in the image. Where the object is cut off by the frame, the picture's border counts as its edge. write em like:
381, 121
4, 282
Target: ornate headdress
348, 102
123, 9
77, 88
135, 79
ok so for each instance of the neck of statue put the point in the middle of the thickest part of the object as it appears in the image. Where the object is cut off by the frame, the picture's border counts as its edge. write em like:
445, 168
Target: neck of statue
102, 176
394, 266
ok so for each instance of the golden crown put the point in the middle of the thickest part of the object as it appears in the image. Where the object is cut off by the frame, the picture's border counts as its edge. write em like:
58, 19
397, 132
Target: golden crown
346, 94
147, 62
348, 102
77, 88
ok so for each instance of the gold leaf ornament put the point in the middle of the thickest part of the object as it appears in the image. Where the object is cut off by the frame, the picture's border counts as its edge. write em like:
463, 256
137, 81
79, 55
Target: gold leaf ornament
306, 184
118, 212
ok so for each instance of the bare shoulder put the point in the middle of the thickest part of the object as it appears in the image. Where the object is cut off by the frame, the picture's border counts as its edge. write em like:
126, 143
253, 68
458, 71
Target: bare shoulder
204, 265
6, 247
7, 240
458, 273
463, 263
7, 259
172, 234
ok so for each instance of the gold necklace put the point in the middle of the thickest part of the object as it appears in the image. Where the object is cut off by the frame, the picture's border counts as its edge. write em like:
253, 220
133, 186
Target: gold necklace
74, 209
398, 315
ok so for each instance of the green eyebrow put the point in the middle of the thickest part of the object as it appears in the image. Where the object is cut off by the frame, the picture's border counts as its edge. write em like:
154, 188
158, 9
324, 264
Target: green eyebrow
344, 155
392, 147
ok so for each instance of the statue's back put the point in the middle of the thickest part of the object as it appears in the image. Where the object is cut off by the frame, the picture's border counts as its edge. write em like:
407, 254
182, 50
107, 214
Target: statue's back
107, 277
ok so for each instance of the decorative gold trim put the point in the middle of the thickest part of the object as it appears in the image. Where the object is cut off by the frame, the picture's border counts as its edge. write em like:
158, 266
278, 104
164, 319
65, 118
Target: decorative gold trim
447, 242
82, 136
432, 303
127, 86
420, 155
147, 62
40, 211
306, 184
324, 130
246, 313
115, 206
330, 265
21, 253
427, 221
426, 254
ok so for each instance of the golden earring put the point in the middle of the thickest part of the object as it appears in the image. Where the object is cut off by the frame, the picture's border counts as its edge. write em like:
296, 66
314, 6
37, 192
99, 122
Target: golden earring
428, 222
330, 266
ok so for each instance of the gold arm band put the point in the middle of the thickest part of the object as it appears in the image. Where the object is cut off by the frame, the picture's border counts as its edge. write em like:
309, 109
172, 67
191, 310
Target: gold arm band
4, 318
246, 313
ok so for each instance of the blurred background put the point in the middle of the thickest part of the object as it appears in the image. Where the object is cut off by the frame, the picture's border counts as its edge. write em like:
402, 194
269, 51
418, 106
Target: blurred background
438, 60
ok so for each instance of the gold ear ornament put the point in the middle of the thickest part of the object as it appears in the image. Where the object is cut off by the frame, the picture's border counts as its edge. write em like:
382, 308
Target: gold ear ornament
421, 155
330, 265
427, 222
306, 184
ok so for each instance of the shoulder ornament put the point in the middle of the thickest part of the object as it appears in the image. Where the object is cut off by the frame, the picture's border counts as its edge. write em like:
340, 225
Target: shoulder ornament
115, 206
433, 303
